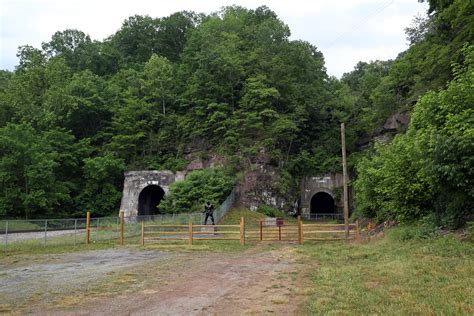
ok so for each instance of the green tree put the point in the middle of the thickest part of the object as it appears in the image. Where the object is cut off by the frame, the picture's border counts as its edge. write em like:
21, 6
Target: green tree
89, 107
430, 169
136, 40
6, 110
75, 47
158, 80
173, 32
31, 174
101, 192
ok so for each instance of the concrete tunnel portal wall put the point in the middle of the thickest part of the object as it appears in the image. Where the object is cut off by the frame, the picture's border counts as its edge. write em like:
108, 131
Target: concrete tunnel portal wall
319, 194
143, 191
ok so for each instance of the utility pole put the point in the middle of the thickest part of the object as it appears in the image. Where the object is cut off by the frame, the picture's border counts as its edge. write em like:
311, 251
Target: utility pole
344, 180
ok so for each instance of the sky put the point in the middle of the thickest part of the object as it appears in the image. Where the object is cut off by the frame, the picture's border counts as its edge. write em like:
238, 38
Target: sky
345, 31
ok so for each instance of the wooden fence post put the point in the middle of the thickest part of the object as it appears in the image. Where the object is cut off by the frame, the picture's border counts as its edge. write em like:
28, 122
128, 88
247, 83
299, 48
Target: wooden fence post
344, 181
190, 230
88, 227
143, 234
300, 233
242, 231
121, 228
261, 230
357, 229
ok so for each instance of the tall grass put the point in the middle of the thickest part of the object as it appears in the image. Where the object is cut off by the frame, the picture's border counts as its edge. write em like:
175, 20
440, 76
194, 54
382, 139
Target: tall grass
390, 276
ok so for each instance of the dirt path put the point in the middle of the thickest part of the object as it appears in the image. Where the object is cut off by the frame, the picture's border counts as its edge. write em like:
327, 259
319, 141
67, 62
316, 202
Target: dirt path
154, 283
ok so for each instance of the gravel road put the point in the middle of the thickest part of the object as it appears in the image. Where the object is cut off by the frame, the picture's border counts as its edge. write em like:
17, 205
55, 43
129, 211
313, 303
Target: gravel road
145, 282
41, 278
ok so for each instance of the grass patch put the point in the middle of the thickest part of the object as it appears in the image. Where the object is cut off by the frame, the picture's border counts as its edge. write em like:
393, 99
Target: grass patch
235, 214
198, 246
279, 299
391, 277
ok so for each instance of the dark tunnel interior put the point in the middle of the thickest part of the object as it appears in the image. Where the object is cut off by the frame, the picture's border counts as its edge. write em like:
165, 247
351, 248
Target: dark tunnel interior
322, 203
149, 199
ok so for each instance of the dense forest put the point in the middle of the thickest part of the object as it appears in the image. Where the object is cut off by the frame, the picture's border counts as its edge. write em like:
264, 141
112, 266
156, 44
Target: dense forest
76, 113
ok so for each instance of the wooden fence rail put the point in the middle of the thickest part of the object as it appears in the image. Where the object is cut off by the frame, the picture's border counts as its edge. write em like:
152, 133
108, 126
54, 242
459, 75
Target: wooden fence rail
302, 231
320, 232
152, 233
261, 230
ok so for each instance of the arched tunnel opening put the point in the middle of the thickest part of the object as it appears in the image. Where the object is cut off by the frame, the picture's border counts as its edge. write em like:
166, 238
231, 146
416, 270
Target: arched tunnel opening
149, 199
322, 203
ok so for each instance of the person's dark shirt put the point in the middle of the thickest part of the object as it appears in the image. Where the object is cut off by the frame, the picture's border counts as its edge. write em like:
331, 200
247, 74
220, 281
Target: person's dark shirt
209, 208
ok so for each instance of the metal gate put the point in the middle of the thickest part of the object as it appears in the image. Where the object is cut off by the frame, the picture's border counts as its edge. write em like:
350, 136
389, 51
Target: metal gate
276, 229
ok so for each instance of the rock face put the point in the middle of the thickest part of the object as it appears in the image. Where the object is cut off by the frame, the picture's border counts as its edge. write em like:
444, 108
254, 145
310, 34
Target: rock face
257, 188
394, 124
136, 181
198, 163
397, 121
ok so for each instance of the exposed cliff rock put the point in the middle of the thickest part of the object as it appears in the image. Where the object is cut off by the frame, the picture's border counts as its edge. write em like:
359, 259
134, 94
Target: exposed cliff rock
203, 162
396, 123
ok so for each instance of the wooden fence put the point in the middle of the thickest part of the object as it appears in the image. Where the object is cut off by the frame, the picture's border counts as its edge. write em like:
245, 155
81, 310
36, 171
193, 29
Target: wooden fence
188, 232
279, 231
327, 232
273, 232
299, 231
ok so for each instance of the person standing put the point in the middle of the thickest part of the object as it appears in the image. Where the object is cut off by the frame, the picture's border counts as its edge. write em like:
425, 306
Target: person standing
209, 210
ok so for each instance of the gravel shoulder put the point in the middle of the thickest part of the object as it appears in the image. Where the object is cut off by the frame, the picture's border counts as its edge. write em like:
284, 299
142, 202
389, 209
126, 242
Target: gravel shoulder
13, 237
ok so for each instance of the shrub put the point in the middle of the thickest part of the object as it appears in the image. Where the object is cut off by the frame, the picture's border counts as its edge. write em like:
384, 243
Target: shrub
270, 211
425, 229
199, 186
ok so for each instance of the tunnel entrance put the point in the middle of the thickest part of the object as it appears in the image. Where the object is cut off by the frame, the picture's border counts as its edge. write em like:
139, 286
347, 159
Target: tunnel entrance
149, 199
322, 203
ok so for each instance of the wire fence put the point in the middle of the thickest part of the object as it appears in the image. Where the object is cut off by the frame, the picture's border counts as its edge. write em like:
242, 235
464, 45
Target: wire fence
18, 234
224, 207
323, 216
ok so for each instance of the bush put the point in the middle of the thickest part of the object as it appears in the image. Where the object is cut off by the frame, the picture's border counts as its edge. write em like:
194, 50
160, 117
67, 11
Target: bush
426, 229
199, 186
270, 211
470, 231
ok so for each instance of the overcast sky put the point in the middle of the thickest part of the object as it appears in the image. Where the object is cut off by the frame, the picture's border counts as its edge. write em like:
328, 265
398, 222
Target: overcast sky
346, 31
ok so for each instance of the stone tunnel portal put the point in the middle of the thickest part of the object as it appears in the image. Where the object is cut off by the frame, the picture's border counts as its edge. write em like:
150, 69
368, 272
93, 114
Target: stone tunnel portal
149, 199
323, 203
